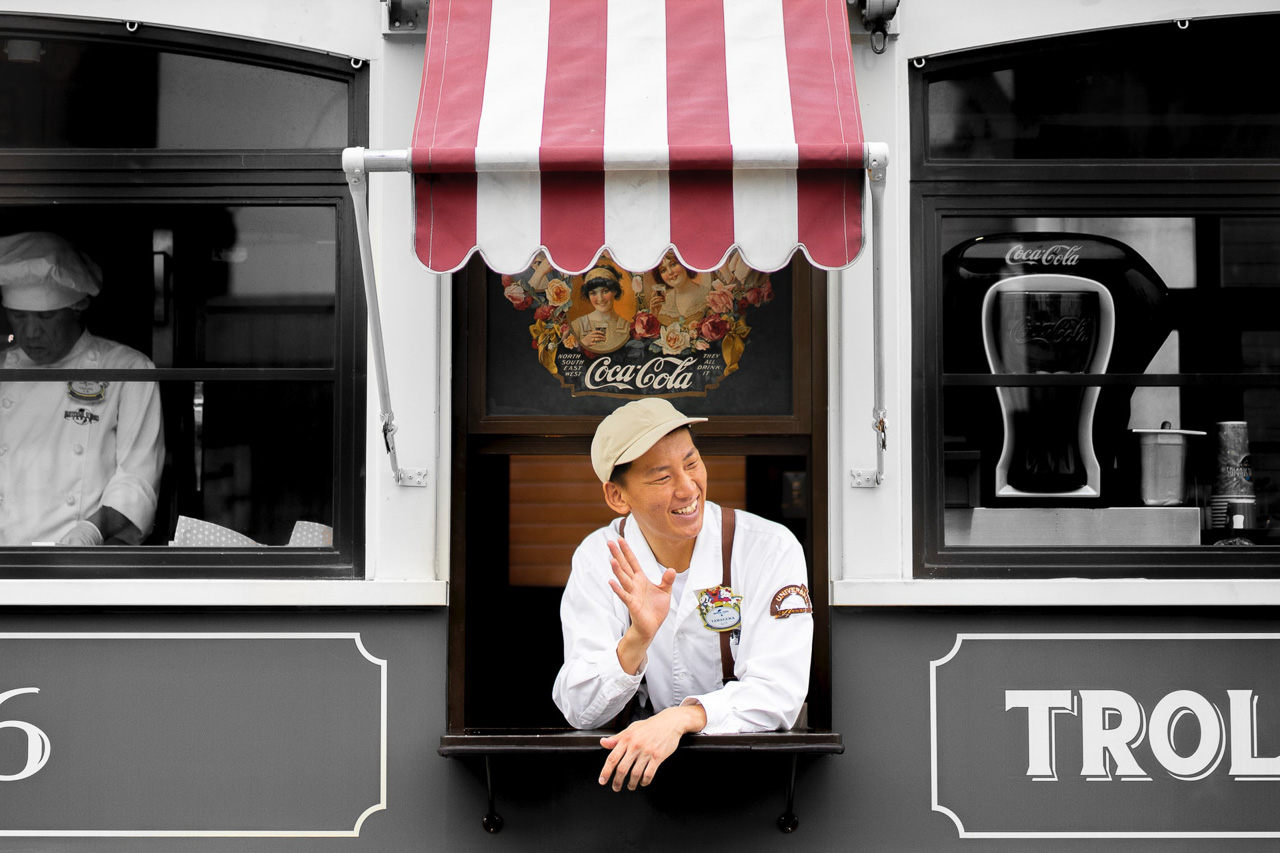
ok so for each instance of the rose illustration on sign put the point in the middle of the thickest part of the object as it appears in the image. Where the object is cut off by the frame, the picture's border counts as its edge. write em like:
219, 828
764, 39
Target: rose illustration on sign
667, 331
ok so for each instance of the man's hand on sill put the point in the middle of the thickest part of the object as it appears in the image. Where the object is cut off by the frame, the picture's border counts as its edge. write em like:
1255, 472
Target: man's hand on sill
642, 746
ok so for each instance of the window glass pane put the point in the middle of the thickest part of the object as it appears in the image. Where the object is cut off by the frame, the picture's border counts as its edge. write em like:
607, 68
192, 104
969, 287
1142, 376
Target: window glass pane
1041, 458
1250, 251
254, 458
265, 293
1133, 93
186, 289
206, 285
57, 93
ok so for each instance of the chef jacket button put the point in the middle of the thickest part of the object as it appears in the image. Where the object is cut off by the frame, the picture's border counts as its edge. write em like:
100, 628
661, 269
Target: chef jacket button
7, 402
71, 499
93, 356
78, 449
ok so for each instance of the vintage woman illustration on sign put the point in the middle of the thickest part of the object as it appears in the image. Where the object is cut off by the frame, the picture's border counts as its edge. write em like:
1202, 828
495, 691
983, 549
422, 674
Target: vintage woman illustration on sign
676, 294
669, 331
604, 329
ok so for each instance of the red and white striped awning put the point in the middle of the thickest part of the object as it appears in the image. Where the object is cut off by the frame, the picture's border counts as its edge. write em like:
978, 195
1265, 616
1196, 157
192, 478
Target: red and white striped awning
573, 127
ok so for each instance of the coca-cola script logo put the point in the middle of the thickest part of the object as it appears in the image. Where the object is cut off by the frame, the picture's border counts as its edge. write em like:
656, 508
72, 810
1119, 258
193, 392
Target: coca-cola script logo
656, 375
1064, 330
1059, 255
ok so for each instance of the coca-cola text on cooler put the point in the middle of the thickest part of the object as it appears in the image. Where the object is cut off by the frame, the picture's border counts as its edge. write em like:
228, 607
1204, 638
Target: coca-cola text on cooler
1060, 331
1058, 255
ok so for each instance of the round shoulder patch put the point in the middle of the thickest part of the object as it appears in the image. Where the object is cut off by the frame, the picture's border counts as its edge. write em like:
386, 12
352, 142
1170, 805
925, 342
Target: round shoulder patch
789, 601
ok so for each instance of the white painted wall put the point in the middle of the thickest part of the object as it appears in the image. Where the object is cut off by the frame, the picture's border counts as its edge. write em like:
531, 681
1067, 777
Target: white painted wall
408, 528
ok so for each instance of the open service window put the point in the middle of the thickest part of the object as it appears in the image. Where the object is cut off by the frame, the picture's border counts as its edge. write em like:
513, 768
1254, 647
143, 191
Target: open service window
1096, 290
540, 357
182, 332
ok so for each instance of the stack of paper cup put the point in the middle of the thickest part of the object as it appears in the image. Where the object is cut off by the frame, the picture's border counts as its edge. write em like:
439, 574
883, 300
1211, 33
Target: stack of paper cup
1232, 504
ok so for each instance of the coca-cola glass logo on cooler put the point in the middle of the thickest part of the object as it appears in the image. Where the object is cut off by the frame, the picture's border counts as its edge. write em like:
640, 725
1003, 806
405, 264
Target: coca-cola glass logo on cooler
1058, 255
1064, 330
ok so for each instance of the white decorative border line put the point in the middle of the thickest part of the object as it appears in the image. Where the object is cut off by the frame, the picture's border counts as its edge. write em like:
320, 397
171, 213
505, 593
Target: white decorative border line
246, 833
933, 734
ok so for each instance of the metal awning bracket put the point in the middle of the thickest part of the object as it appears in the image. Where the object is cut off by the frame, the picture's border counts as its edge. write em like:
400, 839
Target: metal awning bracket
878, 20
357, 163
404, 17
875, 159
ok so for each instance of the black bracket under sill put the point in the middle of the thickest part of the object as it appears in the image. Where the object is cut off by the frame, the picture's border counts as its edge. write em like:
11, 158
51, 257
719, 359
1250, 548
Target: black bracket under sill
487, 745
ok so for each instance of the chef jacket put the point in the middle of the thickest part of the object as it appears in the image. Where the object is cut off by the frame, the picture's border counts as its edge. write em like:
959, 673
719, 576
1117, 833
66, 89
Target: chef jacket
67, 448
683, 665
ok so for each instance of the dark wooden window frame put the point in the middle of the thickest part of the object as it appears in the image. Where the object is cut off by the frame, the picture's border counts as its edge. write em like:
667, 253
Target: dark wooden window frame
223, 177
804, 433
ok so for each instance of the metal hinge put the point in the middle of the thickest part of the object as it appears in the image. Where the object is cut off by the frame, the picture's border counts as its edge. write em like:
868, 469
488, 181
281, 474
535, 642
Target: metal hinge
404, 17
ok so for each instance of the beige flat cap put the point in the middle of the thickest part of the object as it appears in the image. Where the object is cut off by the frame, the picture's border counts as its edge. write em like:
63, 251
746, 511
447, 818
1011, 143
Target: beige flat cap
630, 430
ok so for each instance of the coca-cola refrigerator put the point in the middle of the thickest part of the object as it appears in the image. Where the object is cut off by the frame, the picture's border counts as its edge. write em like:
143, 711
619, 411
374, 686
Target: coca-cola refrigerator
1046, 305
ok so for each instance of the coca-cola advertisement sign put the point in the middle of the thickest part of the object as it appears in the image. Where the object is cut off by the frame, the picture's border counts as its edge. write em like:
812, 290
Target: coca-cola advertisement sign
669, 331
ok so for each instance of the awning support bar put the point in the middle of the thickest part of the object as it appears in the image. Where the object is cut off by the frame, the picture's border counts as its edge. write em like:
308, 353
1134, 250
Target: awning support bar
357, 163
875, 158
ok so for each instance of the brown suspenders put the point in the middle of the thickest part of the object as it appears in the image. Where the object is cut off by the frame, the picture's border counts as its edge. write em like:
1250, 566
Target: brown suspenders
728, 517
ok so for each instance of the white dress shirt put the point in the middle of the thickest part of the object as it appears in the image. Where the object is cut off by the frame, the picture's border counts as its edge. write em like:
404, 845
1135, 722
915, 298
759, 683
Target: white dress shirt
683, 661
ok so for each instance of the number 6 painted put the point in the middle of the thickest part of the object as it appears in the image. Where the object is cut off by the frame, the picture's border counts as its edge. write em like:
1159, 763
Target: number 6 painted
37, 741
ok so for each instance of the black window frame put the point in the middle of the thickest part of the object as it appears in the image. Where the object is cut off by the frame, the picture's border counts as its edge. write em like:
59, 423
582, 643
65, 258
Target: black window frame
234, 177
949, 187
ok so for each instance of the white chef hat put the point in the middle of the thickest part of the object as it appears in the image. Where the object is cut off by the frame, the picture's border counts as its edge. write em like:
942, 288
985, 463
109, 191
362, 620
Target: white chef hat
40, 271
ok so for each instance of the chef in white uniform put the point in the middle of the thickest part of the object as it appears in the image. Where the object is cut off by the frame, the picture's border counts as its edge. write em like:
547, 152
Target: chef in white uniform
653, 610
80, 459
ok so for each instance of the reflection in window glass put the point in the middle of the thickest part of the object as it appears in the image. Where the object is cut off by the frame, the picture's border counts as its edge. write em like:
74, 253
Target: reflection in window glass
210, 103
1122, 94
1250, 252
252, 458
269, 291
57, 93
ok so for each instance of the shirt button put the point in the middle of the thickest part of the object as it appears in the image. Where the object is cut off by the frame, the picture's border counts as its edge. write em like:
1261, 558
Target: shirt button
93, 356
71, 499
78, 449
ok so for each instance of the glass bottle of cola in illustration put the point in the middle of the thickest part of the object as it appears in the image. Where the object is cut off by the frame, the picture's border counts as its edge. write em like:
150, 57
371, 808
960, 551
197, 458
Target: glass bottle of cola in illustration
1048, 324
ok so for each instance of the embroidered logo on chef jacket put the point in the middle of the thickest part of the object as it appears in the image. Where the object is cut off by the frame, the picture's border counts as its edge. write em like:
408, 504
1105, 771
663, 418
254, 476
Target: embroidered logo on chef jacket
789, 601
81, 416
88, 392
719, 608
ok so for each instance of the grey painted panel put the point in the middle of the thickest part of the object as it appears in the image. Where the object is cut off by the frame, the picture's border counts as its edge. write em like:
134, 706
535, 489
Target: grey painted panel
189, 733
